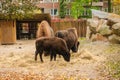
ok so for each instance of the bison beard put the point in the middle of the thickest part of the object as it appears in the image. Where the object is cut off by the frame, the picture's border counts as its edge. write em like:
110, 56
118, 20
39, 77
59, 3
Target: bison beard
52, 45
71, 38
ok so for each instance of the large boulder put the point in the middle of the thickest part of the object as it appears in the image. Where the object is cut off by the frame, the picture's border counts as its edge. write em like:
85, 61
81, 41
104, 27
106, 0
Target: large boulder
114, 17
105, 30
116, 29
110, 22
92, 23
98, 37
114, 39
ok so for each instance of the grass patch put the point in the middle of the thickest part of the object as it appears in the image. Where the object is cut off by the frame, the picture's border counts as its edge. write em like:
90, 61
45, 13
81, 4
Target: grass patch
114, 69
113, 62
113, 48
83, 40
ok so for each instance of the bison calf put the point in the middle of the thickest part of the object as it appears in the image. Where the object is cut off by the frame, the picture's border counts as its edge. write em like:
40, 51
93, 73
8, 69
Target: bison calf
52, 45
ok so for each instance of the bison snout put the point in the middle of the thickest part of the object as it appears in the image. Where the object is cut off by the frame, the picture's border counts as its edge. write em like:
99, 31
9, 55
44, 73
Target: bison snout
75, 50
68, 60
67, 57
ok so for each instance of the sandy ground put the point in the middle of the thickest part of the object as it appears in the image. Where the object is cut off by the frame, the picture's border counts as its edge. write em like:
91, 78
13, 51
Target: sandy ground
17, 63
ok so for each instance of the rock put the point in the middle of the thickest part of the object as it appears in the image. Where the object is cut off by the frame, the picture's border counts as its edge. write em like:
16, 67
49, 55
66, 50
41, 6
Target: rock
114, 39
116, 29
98, 37
105, 30
99, 26
92, 23
110, 23
114, 17
116, 26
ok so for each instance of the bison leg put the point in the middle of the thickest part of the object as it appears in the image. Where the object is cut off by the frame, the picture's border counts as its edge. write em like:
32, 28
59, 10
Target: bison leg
40, 54
36, 53
51, 56
54, 57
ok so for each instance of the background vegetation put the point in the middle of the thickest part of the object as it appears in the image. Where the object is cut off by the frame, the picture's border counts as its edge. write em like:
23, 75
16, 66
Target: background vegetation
18, 9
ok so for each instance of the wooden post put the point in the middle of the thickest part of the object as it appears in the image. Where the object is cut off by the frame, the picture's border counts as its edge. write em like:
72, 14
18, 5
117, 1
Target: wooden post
7, 32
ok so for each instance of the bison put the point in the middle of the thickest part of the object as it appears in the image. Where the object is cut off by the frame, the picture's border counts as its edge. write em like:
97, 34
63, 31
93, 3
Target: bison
44, 30
71, 38
54, 46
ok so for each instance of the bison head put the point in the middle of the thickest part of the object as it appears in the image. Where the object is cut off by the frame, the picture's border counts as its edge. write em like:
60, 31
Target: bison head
66, 56
75, 47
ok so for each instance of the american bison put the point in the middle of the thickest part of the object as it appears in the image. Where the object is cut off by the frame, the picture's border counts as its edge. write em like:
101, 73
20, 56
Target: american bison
44, 30
53, 45
71, 38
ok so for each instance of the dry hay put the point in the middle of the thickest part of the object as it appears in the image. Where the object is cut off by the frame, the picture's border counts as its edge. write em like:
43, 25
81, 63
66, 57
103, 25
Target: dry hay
12, 75
84, 54
21, 57
44, 29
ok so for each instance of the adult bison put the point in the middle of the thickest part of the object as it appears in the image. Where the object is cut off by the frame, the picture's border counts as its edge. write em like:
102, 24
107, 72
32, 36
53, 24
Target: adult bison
44, 30
71, 38
53, 45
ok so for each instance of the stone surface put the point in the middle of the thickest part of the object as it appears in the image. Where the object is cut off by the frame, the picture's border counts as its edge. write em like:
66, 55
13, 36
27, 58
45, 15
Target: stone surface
116, 29
114, 39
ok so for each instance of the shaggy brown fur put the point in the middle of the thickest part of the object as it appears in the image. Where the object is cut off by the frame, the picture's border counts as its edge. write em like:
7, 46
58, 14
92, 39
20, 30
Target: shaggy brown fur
71, 38
44, 30
53, 45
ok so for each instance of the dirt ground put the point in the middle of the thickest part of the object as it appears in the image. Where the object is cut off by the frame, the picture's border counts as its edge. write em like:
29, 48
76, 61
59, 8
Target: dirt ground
17, 63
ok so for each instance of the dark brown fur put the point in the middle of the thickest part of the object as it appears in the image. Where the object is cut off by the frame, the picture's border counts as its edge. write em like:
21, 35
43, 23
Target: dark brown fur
52, 45
44, 30
71, 38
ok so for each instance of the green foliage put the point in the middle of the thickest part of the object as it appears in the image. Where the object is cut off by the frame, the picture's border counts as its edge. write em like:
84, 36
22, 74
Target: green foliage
78, 7
17, 9
62, 8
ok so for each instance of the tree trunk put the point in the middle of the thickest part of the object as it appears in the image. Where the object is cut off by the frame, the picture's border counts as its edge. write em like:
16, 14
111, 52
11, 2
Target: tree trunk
109, 6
